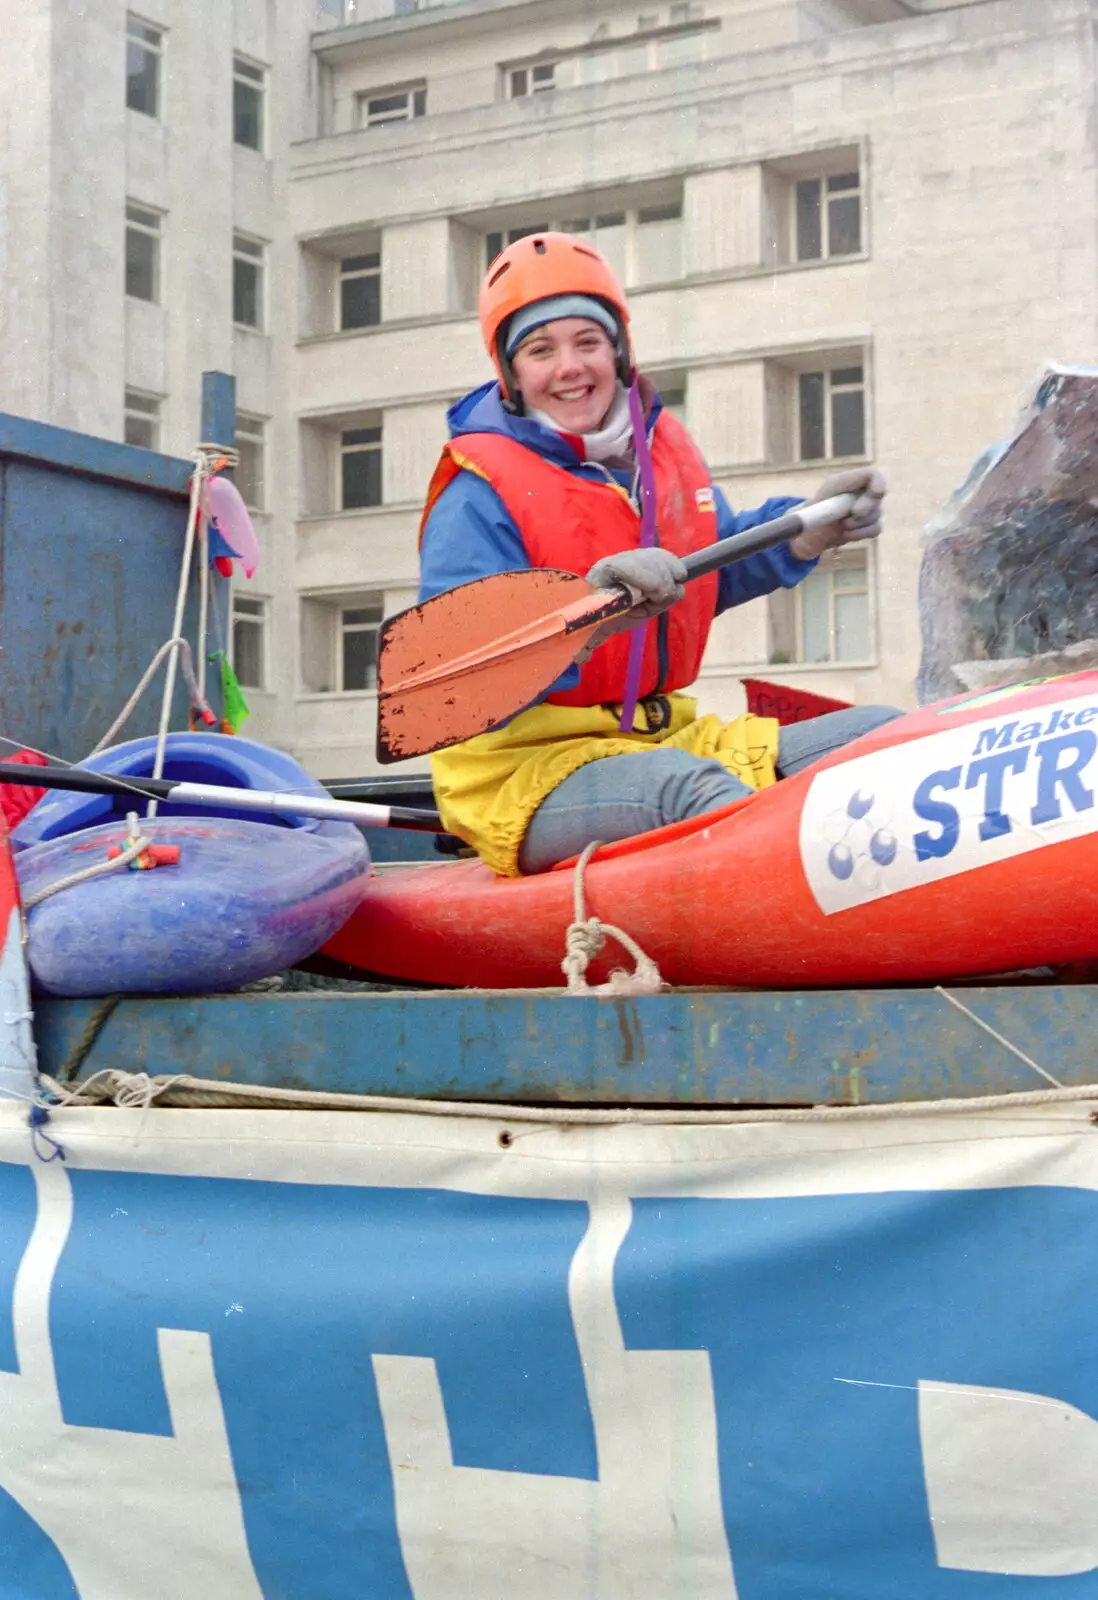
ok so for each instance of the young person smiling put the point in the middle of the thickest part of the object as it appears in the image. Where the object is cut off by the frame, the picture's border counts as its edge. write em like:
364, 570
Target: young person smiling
569, 460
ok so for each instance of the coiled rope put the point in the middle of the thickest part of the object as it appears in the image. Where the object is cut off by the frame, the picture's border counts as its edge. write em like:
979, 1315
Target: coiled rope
586, 936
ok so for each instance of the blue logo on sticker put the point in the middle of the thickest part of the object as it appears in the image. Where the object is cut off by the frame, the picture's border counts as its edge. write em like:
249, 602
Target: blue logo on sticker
861, 840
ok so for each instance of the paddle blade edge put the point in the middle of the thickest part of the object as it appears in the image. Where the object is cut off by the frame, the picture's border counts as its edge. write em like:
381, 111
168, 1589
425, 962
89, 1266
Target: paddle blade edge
416, 719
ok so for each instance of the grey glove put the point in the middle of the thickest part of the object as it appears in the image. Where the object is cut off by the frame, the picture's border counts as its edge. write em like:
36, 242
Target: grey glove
864, 521
656, 575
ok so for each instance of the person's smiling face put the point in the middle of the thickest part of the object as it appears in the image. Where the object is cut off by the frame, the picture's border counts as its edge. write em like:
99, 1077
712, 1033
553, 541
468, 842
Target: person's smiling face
567, 369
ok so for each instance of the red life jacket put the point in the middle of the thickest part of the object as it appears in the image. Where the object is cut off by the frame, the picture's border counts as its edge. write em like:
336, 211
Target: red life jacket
571, 522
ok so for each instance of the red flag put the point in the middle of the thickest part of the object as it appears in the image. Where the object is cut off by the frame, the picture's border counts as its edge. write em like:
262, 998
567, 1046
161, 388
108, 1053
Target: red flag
787, 703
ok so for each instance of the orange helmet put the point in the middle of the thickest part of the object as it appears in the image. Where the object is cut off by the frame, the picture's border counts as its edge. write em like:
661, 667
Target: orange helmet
540, 267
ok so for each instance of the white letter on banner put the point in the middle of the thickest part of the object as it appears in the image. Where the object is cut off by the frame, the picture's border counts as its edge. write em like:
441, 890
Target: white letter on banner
1012, 1481
155, 1491
653, 1520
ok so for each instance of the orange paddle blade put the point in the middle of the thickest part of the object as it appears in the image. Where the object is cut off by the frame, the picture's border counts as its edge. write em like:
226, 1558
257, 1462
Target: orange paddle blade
464, 662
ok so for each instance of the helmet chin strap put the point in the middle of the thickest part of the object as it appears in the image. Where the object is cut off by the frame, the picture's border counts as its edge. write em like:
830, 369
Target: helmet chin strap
512, 398
647, 538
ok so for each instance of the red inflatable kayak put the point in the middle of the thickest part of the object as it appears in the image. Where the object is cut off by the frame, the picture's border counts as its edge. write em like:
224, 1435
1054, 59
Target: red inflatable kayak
961, 839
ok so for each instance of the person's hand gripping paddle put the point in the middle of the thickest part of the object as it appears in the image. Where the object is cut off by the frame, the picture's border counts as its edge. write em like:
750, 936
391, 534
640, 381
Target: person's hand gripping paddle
467, 660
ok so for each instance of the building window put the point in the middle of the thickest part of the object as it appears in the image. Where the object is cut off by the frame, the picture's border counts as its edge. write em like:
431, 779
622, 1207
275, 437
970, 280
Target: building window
495, 242
144, 47
250, 641
654, 47
658, 244
142, 252
834, 620
248, 263
358, 630
360, 468
672, 391
828, 618
831, 413
251, 447
533, 79
402, 103
141, 420
643, 244
609, 233
827, 216
249, 93
339, 641
360, 291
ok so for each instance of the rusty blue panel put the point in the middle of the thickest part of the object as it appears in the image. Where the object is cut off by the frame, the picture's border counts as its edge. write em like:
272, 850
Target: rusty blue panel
91, 536
61, 450
689, 1047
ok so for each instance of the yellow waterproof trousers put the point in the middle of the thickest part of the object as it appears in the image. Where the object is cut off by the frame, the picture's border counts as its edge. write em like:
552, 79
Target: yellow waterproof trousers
488, 788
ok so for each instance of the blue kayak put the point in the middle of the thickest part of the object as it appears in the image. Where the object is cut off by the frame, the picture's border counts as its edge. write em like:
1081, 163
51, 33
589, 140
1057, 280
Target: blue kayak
249, 895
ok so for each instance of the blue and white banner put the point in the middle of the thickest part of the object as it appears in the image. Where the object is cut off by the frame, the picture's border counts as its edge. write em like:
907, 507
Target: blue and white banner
314, 1356
967, 797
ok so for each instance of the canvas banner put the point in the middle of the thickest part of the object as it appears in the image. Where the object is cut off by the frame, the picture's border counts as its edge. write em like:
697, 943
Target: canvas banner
317, 1356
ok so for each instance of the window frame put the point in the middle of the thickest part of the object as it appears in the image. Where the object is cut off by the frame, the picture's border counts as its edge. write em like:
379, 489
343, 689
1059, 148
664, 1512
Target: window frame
355, 275
413, 92
250, 251
252, 430
360, 447
633, 219
830, 390
529, 71
341, 610
139, 406
821, 181
251, 75
148, 224
153, 46
260, 620
649, 40
850, 558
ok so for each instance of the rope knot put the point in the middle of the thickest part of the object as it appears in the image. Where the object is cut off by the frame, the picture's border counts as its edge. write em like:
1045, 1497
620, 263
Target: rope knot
129, 855
586, 937
582, 943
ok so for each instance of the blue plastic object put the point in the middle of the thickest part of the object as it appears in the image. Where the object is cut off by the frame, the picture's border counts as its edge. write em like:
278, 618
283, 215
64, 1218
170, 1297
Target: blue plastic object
249, 896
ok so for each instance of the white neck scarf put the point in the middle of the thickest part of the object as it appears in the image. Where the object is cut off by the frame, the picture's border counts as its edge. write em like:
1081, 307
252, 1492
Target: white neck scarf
612, 442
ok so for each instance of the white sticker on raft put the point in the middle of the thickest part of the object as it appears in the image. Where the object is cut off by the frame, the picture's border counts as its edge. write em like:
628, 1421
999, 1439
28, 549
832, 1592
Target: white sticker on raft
964, 798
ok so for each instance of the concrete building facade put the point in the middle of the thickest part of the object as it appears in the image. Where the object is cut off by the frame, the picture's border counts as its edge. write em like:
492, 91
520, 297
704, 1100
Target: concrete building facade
850, 230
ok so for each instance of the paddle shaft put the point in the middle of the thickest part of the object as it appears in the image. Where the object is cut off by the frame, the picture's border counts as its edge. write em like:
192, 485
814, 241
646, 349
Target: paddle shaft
739, 546
619, 598
281, 802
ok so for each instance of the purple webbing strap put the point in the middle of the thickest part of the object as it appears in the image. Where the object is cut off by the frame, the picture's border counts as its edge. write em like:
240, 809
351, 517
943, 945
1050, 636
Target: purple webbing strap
647, 538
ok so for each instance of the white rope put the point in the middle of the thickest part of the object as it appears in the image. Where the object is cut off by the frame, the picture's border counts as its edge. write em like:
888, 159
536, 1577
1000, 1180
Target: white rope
585, 938
199, 478
110, 1085
205, 458
137, 844
203, 613
998, 1037
183, 648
